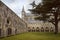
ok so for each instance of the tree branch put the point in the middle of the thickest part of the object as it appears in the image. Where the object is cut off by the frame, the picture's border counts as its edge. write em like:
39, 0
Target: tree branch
52, 22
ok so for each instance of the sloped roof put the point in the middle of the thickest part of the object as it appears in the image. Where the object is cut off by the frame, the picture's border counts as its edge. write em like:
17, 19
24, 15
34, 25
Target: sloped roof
7, 6
11, 10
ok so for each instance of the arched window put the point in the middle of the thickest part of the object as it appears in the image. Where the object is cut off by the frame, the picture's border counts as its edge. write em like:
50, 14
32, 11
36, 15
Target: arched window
9, 31
33, 29
37, 29
51, 29
42, 29
29, 29
7, 21
47, 29
0, 32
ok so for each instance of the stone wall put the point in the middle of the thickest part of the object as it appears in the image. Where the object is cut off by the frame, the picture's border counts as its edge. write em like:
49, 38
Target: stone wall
40, 27
10, 23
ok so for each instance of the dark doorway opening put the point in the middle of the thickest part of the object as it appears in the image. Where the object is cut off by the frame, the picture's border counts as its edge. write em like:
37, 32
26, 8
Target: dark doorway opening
0, 32
9, 31
37, 29
51, 29
42, 29
29, 29
33, 29
47, 29
15, 31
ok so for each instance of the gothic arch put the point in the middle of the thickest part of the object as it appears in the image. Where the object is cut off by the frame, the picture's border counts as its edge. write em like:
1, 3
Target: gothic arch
37, 29
33, 29
42, 29
47, 29
8, 20
29, 29
51, 29
0, 32
9, 31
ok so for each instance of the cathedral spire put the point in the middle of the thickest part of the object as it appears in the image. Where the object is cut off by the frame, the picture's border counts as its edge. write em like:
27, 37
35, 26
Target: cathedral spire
23, 10
23, 13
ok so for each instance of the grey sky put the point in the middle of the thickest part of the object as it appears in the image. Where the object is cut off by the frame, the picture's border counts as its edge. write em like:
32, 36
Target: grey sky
17, 5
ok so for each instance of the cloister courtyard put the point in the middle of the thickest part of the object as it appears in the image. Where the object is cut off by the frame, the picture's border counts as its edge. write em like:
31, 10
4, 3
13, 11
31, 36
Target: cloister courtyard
36, 23
34, 36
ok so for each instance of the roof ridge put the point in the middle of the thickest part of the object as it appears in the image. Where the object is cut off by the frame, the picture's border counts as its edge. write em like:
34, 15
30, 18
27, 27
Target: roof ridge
8, 7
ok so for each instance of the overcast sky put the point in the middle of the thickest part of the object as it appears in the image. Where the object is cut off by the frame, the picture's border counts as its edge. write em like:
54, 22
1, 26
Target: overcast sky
17, 5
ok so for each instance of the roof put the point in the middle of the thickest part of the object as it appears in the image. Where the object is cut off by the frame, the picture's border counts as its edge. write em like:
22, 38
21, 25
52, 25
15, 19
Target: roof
11, 10
7, 7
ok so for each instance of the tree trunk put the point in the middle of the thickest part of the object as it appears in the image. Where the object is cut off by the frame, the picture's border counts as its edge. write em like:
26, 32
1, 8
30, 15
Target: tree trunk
56, 28
56, 23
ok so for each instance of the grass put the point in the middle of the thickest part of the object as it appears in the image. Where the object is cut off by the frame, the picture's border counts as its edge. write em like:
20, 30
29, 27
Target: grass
34, 36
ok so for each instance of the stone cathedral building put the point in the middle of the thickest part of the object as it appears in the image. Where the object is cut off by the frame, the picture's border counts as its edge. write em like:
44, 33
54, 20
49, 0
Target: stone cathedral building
10, 23
37, 26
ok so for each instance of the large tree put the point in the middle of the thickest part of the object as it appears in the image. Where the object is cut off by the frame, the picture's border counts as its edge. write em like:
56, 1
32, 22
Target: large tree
48, 10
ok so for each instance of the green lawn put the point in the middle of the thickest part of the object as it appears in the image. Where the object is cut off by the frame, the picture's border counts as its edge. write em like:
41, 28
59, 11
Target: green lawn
34, 36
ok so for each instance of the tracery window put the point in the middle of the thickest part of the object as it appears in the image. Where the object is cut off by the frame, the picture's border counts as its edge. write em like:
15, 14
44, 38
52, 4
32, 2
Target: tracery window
37, 29
29, 29
9, 31
47, 29
51, 29
7, 21
42, 29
